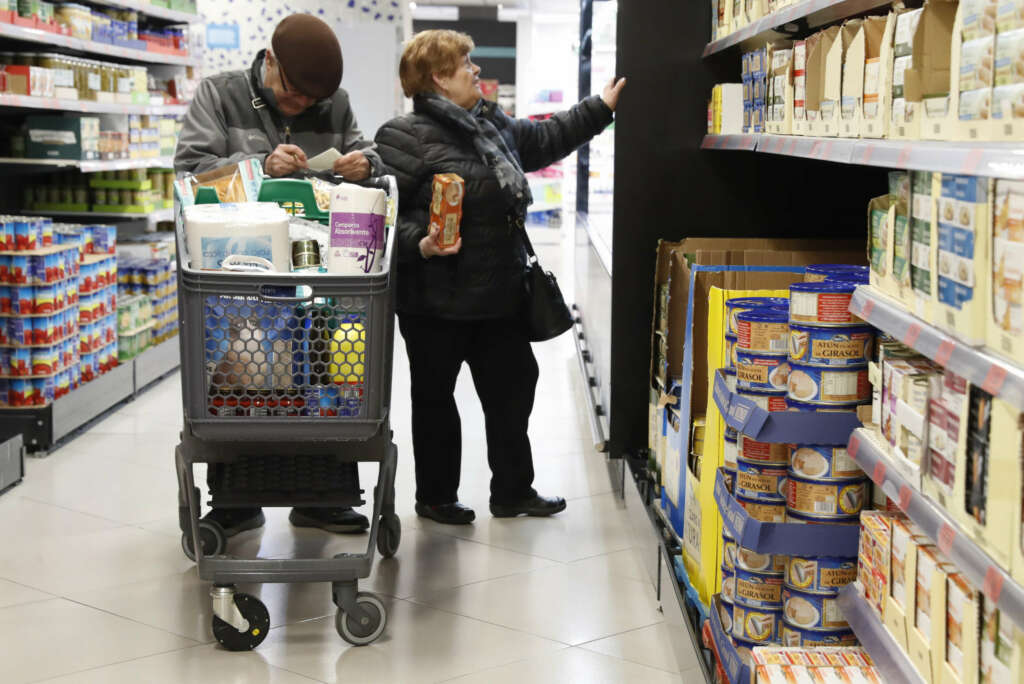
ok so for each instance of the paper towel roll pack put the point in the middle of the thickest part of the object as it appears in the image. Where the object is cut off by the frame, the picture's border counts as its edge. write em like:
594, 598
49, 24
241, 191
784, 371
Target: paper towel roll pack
357, 230
214, 232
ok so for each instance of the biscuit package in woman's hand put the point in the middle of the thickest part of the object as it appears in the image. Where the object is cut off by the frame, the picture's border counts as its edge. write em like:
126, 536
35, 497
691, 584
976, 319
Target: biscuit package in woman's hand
446, 207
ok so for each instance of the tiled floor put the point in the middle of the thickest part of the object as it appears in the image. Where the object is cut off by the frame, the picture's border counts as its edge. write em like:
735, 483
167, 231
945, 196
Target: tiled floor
94, 586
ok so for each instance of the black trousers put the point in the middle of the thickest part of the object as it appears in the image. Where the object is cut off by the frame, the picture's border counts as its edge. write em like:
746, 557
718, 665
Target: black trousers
505, 375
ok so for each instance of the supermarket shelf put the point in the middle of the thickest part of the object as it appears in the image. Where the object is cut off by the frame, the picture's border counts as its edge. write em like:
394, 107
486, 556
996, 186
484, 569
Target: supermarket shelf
151, 10
44, 426
891, 662
12, 463
38, 36
155, 216
979, 569
88, 106
996, 159
813, 12
95, 165
996, 376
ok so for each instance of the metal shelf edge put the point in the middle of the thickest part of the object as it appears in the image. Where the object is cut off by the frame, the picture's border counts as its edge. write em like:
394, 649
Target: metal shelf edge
892, 663
996, 376
825, 10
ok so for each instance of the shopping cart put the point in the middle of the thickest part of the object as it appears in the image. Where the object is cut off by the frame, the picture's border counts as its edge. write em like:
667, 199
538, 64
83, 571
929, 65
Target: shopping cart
284, 377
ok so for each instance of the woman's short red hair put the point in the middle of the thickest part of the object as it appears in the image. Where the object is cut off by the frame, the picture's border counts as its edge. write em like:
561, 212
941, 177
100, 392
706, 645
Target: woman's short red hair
438, 51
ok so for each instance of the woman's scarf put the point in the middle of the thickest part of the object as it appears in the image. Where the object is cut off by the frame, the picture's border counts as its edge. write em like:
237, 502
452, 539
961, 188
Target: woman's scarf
487, 141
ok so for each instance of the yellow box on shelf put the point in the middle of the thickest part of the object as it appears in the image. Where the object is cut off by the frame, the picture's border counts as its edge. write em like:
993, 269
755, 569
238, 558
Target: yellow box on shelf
702, 537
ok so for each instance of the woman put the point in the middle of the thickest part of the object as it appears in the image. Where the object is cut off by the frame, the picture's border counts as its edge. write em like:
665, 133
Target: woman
465, 303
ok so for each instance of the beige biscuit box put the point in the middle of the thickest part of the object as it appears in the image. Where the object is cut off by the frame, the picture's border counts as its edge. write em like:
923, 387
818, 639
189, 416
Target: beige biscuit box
988, 479
963, 257
963, 607
854, 45
876, 84
926, 633
925, 188
1005, 325
901, 601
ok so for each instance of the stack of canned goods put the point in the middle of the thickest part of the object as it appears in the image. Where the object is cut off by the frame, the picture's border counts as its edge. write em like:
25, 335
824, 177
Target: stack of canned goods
751, 594
811, 615
829, 349
762, 337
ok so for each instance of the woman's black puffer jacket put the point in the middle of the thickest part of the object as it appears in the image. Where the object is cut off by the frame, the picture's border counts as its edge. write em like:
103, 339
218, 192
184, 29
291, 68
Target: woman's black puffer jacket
485, 279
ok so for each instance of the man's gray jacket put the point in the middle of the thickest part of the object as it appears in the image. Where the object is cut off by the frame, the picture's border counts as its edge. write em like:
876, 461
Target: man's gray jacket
222, 126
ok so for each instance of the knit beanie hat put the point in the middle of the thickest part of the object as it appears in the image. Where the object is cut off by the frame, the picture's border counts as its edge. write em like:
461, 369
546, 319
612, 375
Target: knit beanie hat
309, 54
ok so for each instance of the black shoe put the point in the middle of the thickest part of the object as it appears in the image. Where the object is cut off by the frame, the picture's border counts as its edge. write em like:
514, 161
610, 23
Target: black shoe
338, 520
235, 520
537, 507
447, 514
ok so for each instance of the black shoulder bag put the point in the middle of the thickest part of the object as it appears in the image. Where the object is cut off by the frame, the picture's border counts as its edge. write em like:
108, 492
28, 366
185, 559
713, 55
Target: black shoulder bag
547, 316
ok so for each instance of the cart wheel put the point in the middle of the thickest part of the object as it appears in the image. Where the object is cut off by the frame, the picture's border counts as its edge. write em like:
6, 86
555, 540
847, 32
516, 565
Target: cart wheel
211, 538
253, 610
389, 535
362, 633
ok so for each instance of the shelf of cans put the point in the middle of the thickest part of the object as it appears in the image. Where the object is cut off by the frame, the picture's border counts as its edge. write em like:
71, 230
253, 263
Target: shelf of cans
135, 324
127, 193
51, 298
156, 279
789, 494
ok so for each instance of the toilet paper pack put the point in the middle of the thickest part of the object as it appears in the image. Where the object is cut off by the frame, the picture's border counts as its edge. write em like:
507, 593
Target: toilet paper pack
357, 230
214, 232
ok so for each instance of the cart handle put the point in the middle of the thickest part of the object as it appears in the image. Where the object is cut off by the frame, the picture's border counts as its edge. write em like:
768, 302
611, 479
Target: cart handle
265, 290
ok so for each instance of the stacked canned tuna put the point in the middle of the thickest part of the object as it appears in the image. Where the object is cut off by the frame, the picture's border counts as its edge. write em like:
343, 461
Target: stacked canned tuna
753, 582
829, 350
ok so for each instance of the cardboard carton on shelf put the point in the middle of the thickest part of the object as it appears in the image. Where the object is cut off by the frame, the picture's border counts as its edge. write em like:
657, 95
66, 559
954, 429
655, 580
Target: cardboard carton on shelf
738, 17
854, 41
947, 437
961, 662
930, 80
982, 510
876, 103
1006, 315
62, 137
824, 87
905, 121
963, 257
972, 75
691, 282
781, 59
814, 68
902, 598
925, 189
880, 247
926, 633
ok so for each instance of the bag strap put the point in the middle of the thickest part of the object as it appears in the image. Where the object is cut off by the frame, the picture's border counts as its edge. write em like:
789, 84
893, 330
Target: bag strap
526, 241
260, 107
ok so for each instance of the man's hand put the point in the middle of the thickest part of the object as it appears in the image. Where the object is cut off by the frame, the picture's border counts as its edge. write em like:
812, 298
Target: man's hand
353, 166
430, 248
611, 92
285, 160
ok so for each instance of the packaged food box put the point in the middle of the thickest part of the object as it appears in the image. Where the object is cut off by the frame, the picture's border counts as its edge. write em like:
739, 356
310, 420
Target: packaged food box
963, 256
978, 18
962, 612
446, 207
903, 51
927, 634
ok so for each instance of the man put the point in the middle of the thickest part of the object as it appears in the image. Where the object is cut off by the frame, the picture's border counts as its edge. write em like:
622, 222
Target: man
286, 108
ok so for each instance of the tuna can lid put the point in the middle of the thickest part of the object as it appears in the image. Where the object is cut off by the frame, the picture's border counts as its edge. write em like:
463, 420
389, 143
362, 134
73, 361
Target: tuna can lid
825, 286
837, 269
764, 315
757, 302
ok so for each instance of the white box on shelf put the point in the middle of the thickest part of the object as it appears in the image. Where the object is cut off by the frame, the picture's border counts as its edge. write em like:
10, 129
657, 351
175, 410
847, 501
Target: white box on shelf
878, 56
930, 81
830, 51
781, 94
854, 42
905, 119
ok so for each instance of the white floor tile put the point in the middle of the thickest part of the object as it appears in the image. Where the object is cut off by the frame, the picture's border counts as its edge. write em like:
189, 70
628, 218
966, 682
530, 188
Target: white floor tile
650, 646
571, 666
566, 604
51, 638
188, 666
421, 644
619, 563
13, 594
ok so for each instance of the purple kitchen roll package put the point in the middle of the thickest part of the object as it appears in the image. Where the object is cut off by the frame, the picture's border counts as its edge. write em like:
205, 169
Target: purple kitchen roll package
357, 230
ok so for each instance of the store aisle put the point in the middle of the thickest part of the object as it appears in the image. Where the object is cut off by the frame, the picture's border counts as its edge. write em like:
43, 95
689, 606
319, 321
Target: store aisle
94, 586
